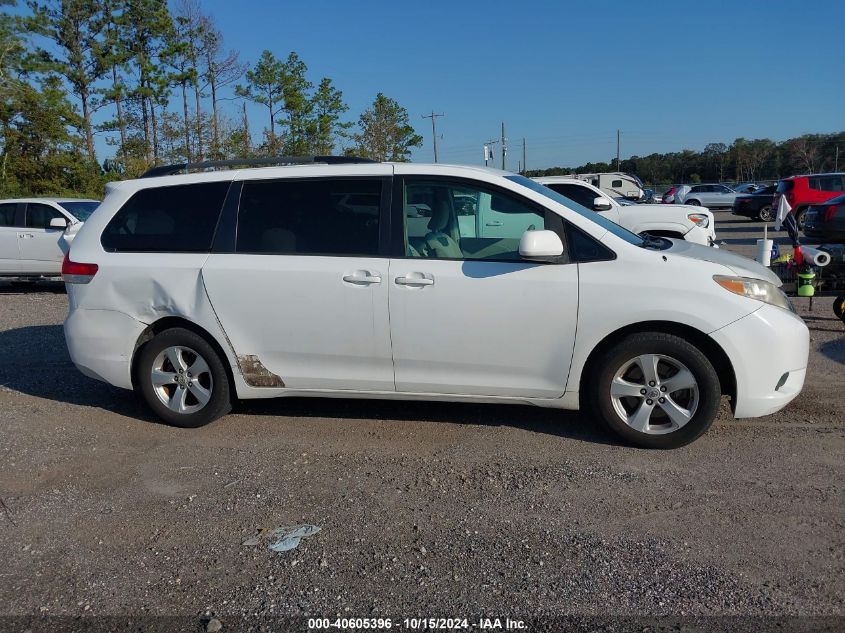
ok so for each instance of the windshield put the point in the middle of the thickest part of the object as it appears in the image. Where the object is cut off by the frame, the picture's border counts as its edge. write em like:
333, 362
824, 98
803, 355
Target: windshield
592, 216
80, 209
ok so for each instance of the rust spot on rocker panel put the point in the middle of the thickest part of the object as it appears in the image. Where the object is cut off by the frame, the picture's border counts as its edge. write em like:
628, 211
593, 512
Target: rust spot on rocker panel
256, 374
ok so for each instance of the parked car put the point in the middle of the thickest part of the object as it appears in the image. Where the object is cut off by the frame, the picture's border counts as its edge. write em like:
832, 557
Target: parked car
664, 220
747, 187
710, 196
34, 233
676, 194
826, 222
196, 289
757, 205
802, 191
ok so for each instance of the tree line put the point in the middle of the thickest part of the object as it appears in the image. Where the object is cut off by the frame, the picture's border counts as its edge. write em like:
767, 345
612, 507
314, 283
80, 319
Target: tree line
742, 161
154, 82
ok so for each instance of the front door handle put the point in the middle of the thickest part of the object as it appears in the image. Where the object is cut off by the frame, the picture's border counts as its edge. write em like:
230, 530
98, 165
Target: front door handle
494, 223
415, 279
25, 235
362, 277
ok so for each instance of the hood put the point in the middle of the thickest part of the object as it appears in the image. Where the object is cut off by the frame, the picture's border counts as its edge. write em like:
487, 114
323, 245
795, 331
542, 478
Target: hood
740, 265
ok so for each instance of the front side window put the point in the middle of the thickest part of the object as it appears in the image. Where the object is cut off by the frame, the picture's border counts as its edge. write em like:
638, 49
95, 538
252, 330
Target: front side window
179, 219
582, 195
451, 220
310, 217
7, 214
38, 216
80, 209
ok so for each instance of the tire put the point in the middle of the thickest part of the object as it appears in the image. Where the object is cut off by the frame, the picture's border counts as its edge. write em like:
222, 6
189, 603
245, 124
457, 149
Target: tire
693, 203
693, 408
839, 307
766, 214
195, 397
799, 218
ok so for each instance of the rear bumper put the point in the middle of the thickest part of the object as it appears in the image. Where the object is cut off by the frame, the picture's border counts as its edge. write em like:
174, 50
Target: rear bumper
101, 344
824, 234
763, 347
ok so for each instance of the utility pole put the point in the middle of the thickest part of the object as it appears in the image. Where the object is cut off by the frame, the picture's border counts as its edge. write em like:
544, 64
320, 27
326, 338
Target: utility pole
836, 162
433, 118
489, 152
504, 145
524, 168
617, 150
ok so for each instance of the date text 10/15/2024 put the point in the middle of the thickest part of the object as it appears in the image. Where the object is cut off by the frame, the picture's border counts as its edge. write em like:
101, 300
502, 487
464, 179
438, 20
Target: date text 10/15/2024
417, 624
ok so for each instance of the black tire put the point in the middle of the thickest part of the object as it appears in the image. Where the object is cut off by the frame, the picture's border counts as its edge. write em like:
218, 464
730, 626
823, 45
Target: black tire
799, 218
693, 202
677, 350
839, 307
215, 380
766, 214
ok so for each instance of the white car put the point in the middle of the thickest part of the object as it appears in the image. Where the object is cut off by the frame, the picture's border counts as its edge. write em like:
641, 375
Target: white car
34, 233
418, 282
661, 220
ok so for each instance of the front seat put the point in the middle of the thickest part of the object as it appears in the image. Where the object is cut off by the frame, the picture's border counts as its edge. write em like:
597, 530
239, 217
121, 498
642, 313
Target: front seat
439, 243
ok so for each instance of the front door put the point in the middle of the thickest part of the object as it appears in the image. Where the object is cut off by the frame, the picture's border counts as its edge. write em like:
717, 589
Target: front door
304, 295
9, 253
40, 251
467, 315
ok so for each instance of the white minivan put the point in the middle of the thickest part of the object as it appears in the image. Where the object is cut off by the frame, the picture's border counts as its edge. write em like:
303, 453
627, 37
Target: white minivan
349, 278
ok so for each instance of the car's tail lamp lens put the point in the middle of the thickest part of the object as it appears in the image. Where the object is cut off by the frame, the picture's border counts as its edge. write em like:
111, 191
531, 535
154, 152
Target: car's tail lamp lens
77, 273
830, 211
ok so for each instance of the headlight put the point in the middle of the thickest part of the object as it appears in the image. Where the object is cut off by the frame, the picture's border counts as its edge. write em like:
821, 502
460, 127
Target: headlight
700, 219
754, 289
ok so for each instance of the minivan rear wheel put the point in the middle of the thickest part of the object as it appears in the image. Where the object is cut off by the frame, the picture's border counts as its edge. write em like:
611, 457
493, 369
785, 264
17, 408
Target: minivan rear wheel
656, 390
182, 379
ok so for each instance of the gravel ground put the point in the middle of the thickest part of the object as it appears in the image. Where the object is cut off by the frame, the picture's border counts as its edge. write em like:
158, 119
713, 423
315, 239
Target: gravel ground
426, 509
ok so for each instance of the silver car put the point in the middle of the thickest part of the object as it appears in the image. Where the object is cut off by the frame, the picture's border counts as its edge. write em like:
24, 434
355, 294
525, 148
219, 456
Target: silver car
710, 196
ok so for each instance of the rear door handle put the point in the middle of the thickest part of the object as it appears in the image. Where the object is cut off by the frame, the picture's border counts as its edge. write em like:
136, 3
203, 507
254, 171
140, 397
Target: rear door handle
362, 278
415, 279
25, 235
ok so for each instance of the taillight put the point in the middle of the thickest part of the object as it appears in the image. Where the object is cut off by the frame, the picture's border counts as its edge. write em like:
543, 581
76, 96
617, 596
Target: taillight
830, 211
76, 273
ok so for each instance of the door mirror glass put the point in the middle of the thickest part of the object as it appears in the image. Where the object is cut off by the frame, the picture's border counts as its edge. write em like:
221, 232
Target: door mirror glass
540, 245
58, 223
601, 204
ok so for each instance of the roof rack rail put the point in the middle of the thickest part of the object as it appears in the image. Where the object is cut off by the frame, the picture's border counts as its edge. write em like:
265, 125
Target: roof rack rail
184, 168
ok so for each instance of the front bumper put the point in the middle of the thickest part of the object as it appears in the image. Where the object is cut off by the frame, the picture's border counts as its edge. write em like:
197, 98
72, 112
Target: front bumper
763, 347
101, 344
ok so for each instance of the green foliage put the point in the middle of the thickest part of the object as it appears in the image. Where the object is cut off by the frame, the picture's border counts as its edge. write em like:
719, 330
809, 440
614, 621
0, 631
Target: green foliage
385, 132
741, 161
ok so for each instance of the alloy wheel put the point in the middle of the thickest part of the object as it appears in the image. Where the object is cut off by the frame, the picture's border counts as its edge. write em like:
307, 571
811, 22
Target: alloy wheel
181, 379
654, 394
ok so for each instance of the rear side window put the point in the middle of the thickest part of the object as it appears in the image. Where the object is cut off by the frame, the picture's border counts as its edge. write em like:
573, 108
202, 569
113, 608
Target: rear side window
38, 216
7, 214
785, 185
616, 183
827, 183
178, 219
310, 217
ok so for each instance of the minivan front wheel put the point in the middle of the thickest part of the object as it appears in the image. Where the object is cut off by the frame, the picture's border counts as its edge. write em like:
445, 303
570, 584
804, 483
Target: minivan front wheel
182, 379
656, 390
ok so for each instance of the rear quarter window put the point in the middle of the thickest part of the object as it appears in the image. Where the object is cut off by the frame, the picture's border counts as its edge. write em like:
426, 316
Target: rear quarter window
178, 219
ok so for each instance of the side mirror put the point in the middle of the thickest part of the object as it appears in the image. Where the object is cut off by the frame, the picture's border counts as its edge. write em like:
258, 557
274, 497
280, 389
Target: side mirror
540, 245
58, 223
601, 204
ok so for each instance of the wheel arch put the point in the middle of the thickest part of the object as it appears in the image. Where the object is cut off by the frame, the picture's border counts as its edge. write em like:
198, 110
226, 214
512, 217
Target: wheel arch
710, 348
168, 323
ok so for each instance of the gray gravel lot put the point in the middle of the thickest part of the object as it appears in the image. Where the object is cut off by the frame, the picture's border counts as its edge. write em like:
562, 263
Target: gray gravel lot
426, 509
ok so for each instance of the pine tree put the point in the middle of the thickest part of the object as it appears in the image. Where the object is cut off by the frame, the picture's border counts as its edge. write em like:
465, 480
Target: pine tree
265, 85
385, 132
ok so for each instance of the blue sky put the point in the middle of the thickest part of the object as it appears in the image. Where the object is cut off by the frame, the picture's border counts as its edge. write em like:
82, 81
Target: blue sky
566, 75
